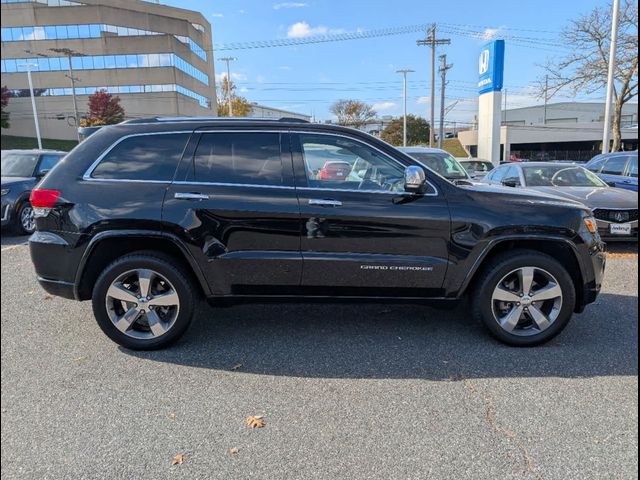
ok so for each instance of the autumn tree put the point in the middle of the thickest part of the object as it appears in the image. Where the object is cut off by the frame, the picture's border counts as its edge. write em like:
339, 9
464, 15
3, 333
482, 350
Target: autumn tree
584, 70
241, 107
104, 109
417, 131
4, 116
353, 113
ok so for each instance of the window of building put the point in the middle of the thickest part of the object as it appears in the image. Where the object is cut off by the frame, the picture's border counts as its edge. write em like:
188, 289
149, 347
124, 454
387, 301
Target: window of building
143, 157
239, 158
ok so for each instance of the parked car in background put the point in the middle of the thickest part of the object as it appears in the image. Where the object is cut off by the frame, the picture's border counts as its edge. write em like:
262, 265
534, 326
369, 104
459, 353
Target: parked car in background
615, 209
338, 170
475, 167
21, 171
440, 161
617, 169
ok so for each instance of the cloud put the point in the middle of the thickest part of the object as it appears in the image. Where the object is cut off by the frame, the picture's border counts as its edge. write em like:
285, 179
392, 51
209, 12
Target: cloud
217, 15
278, 6
491, 33
244, 90
241, 77
303, 29
286, 68
423, 100
384, 106
261, 79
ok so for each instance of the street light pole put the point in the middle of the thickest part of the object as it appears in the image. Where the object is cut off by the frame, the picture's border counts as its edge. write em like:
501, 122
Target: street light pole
69, 54
612, 67
33, 101
404, 72
443, 83
229, 100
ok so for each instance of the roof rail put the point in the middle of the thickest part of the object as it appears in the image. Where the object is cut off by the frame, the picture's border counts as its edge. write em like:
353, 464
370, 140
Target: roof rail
226, 119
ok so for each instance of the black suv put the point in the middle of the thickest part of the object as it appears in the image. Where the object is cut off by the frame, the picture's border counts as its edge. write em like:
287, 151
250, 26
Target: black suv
147, 216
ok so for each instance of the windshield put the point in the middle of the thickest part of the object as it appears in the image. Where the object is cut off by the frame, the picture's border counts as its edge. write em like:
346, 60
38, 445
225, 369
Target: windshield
477, 166
19, 164
441, 163
561, 176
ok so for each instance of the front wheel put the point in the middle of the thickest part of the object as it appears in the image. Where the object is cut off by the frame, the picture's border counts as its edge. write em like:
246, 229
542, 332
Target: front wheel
524, 298
143, 301
26, 221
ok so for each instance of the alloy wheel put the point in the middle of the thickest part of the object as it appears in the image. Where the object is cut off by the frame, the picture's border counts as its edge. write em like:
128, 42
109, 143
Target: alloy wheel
142, 304
527, 301
27, 219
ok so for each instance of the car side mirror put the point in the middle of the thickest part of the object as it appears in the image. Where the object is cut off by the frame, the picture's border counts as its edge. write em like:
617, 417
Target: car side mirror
611, 184
414, 179
42, 173
510, 182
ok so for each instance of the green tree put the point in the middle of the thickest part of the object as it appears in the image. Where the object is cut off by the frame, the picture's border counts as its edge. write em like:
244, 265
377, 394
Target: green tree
4, 117
585, 69
353, 113
417, 131
241, 106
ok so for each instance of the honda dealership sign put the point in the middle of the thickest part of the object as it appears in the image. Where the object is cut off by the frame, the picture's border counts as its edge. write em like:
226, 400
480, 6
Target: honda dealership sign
491, 75
491, 67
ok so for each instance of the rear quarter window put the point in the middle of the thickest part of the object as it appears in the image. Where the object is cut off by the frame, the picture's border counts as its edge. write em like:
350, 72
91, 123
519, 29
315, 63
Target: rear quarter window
143, 157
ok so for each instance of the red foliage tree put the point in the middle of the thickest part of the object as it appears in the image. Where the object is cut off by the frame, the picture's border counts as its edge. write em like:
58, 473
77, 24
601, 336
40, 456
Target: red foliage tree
104, 109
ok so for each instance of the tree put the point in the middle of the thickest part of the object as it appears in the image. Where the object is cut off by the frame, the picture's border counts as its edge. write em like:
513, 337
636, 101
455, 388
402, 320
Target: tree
417, 131
353, 113
585, 69
240, 105
4, 117
104, 109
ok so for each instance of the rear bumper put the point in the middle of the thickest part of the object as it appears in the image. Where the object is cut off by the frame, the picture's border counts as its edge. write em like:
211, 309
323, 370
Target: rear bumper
58, 288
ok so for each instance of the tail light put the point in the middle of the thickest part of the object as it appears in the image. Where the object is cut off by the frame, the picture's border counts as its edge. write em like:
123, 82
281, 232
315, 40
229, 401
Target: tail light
43, 201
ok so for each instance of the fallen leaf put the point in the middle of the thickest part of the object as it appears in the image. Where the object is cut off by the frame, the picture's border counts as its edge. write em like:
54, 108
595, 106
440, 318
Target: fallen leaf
234, 450
48, 297
171, 415
178, 459
79, 359
236, 366
255, 421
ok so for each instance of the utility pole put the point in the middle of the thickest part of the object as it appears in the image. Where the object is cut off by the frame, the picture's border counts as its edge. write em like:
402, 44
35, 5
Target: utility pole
506, 129
612, 67
404, 72
28, 66
431, 41
70, 54
229, 100
443, 82
546, 89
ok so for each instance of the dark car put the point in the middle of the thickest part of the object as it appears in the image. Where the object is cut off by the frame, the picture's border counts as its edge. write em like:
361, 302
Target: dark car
145, 217
615, 209
617, 169
21, 170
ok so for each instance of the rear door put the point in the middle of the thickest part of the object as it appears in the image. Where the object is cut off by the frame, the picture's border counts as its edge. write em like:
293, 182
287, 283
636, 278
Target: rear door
362, 235
234, 203
614, 169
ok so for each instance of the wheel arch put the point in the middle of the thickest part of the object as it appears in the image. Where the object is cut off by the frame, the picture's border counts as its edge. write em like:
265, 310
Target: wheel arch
114, 244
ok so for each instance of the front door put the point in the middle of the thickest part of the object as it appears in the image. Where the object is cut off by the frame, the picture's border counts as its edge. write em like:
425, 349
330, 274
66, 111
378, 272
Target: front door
234, 203
362, 235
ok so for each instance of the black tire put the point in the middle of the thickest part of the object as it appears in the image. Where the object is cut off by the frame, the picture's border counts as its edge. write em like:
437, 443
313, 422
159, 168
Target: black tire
495, 271
165, 266
20, 228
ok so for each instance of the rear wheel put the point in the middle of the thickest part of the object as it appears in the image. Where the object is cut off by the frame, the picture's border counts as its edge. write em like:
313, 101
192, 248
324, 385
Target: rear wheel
524, 298
143, 301
26, 221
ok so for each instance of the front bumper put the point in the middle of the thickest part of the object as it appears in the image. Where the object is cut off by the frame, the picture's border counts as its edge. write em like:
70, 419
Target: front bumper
604, 229
5, 211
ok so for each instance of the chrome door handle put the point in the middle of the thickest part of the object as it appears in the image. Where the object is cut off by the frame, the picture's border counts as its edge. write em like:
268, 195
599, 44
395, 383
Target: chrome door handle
325, 203
190, 196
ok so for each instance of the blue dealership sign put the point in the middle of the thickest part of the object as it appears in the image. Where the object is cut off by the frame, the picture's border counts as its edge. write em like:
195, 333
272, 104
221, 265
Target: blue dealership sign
491, 67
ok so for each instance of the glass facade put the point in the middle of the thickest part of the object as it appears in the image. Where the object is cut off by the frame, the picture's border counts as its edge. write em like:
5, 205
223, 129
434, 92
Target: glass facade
100, 62
94, 30
118, 89
48, 3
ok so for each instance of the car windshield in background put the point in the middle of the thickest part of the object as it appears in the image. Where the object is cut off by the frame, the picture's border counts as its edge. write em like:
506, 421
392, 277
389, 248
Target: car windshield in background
445, 165
18, 165
560, 176
477, 166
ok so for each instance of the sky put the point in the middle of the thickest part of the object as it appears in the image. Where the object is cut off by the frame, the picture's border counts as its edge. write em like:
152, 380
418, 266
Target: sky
309, 78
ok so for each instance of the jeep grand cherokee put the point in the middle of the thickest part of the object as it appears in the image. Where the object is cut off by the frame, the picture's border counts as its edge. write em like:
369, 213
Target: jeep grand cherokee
145, 217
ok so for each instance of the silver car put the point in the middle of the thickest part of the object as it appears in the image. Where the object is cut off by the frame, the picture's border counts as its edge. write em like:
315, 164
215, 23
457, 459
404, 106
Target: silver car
439, 161
615, 209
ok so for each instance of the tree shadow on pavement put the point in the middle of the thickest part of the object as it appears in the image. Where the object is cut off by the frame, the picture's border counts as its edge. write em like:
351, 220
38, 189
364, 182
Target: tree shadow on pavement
400, 341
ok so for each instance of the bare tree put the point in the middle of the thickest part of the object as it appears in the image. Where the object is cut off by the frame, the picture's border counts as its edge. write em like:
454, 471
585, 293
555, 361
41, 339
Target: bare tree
584, 70
353, 113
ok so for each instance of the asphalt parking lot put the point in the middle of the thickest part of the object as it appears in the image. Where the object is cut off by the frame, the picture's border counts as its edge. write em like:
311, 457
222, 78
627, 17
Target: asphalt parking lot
347, 391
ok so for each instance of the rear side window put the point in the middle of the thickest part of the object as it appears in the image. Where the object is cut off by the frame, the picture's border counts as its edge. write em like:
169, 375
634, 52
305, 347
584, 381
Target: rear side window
143, 157
238, 158
615, 165
633, 167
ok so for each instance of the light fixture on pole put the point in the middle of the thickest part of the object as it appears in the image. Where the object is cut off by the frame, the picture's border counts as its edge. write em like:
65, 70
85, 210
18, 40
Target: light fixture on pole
404, 72
28, 66
229, 60
69, 54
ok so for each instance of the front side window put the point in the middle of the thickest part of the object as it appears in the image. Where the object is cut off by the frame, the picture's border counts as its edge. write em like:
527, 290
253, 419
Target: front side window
615, 165
499, 174
633, 167
238, 158
340, 163
48, 161
143, 157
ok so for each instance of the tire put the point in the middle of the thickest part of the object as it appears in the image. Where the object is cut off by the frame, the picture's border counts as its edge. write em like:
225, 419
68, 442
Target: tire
519, 322
25, 222
156, 325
